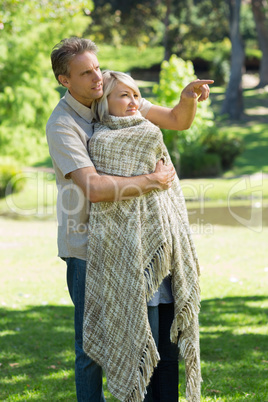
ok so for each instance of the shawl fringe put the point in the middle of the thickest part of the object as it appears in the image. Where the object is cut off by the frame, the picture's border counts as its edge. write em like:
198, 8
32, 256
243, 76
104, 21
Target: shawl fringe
157, 269
193, 379
184, 318
148, 362
188, 318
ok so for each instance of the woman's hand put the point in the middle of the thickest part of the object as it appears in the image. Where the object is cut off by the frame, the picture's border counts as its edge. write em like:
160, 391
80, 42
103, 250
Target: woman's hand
198, 89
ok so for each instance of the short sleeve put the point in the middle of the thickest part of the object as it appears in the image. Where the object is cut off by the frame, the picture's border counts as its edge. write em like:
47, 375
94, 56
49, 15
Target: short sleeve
67, 148
145, 106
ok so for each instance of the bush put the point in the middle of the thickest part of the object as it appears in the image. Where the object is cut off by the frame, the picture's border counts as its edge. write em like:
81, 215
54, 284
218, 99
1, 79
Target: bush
197, 164
227, 145
174, 76
10, 178
23, 144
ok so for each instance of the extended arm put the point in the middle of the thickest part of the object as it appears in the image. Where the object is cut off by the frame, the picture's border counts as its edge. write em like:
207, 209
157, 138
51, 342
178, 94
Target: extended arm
182, 115
99, 188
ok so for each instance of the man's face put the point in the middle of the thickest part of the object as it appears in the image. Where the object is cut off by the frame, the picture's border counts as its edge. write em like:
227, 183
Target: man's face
85, 80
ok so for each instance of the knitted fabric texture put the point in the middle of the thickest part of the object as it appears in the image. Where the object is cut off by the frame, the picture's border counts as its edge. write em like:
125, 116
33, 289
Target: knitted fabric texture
132, 246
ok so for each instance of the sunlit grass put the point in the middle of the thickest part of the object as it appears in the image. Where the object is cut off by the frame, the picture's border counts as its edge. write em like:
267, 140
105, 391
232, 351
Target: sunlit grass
36, 200
36, 315
125, 58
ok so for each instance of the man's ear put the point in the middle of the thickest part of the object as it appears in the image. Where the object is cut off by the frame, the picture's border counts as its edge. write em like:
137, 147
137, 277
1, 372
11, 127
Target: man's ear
64, 80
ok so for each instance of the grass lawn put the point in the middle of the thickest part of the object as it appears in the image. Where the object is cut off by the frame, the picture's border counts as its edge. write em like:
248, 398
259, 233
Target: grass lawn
125, 58
36, 315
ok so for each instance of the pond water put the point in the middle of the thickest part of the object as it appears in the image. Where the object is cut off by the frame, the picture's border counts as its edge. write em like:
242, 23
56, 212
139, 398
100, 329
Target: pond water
254, 216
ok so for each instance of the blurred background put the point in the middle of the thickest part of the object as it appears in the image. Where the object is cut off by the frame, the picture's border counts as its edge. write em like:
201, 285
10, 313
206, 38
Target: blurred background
222, 161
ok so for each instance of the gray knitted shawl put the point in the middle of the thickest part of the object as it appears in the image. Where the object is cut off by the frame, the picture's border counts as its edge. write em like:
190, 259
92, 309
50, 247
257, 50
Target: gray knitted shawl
132, 246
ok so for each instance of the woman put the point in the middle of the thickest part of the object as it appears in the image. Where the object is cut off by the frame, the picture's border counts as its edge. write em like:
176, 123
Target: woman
138, 250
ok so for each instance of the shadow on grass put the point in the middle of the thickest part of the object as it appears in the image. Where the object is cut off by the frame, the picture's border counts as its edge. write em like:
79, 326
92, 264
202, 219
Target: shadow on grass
234, 348
254, 157
37, 354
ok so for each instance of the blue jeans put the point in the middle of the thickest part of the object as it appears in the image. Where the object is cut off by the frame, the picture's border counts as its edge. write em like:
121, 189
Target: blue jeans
164, 383
88, 374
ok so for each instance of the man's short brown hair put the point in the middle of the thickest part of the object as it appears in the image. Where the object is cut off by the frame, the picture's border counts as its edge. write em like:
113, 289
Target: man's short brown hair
65, 51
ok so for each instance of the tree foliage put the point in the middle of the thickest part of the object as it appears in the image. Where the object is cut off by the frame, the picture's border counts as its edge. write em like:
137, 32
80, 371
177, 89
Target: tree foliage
30, 29
177, 25
131, 22
191, 21
16, 15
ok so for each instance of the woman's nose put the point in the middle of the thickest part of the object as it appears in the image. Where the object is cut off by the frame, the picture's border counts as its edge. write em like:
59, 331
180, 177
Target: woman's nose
133, 100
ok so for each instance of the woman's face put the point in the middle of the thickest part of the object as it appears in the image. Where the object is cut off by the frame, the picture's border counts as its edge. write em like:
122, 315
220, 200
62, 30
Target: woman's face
123, 101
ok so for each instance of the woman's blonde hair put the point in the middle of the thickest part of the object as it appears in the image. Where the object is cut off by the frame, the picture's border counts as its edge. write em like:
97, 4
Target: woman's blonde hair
99, 106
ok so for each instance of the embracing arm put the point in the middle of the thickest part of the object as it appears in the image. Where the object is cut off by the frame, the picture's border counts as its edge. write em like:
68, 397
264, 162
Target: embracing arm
182, 115
68, 151
99, 188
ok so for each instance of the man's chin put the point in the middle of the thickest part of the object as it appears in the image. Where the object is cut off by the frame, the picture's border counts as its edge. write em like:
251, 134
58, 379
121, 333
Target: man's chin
98, 94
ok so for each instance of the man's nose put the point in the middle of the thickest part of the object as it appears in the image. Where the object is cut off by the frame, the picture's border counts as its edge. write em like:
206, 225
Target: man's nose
97, 76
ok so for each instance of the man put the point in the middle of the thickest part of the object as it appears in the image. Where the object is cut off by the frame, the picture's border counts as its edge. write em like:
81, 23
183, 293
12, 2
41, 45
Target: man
69, 128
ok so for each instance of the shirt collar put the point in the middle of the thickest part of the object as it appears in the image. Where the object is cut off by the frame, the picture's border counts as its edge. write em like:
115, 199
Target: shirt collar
83, 111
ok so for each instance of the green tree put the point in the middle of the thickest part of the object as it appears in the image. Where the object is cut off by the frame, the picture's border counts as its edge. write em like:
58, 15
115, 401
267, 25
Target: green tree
260, 12
28, 87
133, 22
233, 102
16, 15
